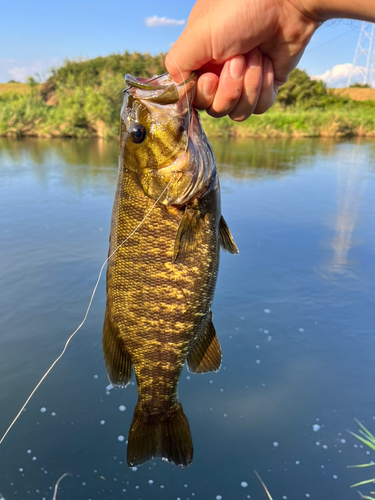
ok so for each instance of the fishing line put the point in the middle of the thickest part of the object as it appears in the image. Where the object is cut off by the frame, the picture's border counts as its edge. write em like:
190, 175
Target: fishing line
85, 316
98, 280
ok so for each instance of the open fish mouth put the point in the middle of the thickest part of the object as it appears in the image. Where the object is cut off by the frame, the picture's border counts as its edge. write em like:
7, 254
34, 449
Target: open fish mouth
161, 89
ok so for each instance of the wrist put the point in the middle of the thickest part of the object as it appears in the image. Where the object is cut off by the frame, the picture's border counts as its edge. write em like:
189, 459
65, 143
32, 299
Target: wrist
323, 10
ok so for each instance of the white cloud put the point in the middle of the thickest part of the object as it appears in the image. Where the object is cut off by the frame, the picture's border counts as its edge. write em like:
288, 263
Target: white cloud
155, 22
339, 74
10, 69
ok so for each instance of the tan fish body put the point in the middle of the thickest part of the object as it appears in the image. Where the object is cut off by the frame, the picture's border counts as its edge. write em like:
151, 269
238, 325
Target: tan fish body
161, 281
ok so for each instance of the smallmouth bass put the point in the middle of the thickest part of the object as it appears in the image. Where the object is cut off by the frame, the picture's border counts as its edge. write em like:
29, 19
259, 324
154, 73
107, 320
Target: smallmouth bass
161, 281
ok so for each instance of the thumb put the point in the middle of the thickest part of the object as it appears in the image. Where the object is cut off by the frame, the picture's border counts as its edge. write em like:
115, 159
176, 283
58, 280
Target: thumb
189, 53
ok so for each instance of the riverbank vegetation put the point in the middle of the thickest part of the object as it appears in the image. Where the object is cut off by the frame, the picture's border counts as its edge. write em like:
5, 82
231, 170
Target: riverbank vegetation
83, 99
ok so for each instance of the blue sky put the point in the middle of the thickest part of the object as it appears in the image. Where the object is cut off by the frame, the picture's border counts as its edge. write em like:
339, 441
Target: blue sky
35, 35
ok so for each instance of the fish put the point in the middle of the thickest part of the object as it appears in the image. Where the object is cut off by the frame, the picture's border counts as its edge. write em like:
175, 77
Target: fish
165, 238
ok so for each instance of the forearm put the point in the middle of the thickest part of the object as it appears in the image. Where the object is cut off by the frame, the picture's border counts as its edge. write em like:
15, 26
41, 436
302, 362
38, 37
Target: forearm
323, 10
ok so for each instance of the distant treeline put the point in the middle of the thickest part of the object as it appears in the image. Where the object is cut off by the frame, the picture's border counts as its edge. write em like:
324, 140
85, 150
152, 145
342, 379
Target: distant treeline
83, 99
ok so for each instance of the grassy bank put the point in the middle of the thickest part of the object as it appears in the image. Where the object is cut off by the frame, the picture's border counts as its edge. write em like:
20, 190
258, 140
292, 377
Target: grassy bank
83, 99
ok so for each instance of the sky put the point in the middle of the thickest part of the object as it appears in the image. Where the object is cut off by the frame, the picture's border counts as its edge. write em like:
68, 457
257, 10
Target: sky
37, 35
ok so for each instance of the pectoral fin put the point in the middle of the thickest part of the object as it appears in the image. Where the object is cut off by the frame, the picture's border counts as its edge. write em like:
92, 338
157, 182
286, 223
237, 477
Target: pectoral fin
206, 354
117, 360
189, 234
226, 239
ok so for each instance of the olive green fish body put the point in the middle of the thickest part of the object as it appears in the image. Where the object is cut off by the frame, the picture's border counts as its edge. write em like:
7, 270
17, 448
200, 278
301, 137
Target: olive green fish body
164, 255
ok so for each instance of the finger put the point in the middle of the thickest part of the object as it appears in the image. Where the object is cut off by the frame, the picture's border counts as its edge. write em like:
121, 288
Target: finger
206, 89
191, 51
230, 87
268, 93
252, 85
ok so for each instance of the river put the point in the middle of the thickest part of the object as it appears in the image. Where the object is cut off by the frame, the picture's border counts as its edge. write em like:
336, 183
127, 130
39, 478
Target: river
294, 313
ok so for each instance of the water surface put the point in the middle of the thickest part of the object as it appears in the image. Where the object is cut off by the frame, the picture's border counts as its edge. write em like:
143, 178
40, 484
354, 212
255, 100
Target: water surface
294, 313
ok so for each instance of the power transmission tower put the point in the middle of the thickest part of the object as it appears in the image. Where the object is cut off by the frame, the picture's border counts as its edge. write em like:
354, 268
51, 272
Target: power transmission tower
364, 56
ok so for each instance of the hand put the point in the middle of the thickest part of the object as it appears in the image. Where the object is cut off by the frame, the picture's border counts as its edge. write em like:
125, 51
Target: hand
243, 50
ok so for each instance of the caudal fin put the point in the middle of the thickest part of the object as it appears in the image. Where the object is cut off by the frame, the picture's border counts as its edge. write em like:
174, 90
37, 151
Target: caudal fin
168, 438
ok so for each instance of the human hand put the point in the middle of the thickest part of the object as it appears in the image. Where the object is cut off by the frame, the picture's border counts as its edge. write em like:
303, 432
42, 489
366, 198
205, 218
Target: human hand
243, 51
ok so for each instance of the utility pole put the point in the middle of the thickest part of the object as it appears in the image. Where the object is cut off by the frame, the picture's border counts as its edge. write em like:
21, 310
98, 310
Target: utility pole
364, 56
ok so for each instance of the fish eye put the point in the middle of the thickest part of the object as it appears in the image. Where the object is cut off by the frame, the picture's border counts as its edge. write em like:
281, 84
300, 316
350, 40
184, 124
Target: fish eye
137, 133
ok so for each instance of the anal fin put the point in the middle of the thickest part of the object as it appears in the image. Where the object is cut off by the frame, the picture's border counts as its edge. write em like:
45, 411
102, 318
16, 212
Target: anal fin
226, 239
189, 234
206, 354
117, 360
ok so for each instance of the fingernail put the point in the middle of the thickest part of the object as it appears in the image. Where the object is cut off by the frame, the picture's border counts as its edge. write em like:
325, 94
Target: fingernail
236, 67
267, 65
253, 59
208, 87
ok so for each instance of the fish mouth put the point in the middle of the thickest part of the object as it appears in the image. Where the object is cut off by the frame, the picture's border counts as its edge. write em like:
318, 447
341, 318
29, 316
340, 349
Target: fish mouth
161, 89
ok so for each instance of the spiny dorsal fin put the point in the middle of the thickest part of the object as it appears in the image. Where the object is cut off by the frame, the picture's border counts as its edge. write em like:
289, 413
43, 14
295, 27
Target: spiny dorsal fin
226, 239
117, 360
189, 234
166, 436
206, 354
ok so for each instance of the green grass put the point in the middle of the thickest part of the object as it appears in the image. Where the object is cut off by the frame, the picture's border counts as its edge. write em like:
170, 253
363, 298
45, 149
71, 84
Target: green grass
84, 98
365, 436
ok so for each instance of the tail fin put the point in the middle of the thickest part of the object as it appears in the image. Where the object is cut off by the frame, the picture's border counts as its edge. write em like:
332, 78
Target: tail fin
167, 437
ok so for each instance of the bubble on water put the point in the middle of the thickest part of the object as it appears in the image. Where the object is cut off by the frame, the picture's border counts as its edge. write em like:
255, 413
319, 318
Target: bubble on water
269, 338
285, 497
367, 453
150, 481
301, 330
121, 439
109, 387
266, 332
307, 495
325, 446
276, 444
102, 422
162, 486
297, 462
221, 390
29, 451
188, 377
317, 443
257, 347
210, 381
185, 485
134, 468
218, 497
53, 414
322, 466
267, 311
122, 408
96, 376
257, 361
20, 469
316, 427
34, 458
334, 476
244, 484
43, 410
343, 441
137, 487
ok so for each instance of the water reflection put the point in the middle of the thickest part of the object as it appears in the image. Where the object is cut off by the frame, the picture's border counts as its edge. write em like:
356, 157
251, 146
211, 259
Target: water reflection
351, 185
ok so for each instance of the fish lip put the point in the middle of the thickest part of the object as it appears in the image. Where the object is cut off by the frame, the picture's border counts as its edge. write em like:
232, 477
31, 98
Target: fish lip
163, 90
